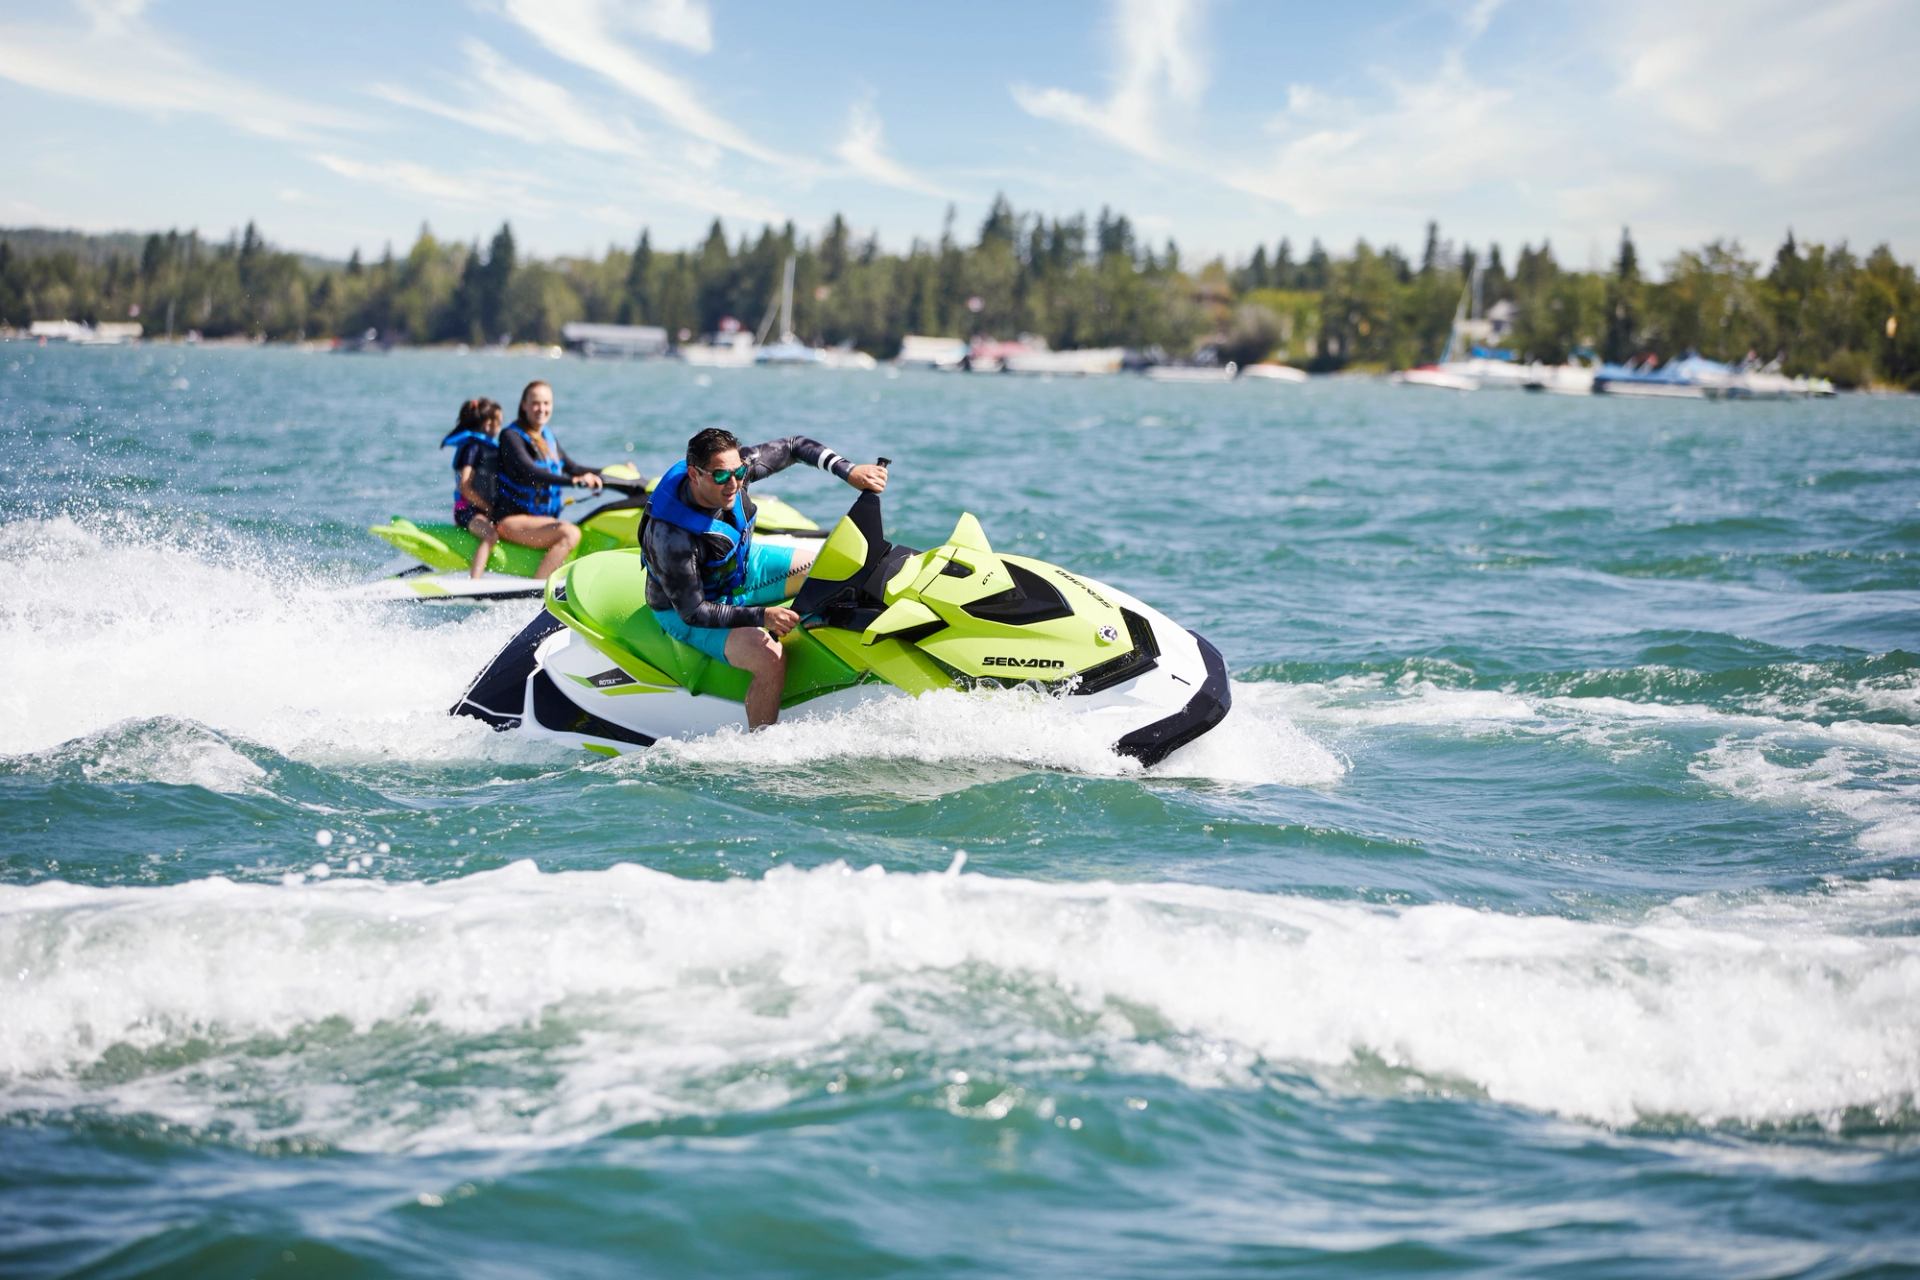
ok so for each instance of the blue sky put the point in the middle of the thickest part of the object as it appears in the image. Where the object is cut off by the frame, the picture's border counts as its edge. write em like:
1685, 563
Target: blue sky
1220, 123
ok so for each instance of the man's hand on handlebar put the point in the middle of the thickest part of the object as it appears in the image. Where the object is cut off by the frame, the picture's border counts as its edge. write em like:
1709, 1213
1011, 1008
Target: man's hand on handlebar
780, 619
870, 476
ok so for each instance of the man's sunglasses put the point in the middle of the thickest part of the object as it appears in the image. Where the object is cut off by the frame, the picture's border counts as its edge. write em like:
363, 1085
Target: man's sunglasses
722, 477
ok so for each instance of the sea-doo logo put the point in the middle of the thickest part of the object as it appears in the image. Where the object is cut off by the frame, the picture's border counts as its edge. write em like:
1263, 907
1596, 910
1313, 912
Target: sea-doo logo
996, 660
1097, 597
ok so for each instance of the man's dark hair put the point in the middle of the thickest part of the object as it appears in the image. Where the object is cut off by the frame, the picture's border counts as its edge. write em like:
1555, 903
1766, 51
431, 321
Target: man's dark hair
701, 448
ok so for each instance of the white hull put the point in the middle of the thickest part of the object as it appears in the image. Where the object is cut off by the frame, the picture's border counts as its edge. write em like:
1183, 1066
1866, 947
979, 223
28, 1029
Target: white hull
919, 351
1652, 390
1489, 375
792, 353
1177, 373
1560, 379
1437, 379
736, 357
1088, 363
449, 587
1264, 372
838, 358
569, 677
1761, 385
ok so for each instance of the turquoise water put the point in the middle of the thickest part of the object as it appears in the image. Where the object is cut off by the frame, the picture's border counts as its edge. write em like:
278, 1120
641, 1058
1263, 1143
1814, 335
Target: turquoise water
1548, 904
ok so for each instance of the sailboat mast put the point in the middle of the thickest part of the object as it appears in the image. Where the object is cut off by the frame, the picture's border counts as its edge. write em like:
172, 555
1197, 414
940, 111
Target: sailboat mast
1452, 351
786, 304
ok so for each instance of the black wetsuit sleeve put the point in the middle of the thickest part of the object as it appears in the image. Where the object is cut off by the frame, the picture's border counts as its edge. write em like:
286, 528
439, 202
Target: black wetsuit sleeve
518, 463
673, 580
777, 455
467, 456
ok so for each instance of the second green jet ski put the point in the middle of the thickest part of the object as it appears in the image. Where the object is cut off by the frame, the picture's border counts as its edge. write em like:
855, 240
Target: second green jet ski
440, 551
877, 620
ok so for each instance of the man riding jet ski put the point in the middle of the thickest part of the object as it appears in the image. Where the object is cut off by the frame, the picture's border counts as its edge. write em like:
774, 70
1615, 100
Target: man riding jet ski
875, 619
440, 551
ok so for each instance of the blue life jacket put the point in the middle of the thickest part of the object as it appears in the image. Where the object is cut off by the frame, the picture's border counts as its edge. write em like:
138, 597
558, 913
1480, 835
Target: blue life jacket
534, 499
726, 574
484, 468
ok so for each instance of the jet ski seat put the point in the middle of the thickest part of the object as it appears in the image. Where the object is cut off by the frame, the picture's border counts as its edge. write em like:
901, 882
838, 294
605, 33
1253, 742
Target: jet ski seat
605, 598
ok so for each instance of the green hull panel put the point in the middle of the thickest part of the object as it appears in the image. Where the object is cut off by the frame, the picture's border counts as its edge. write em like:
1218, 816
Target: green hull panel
447, 546
604, 598
956, 615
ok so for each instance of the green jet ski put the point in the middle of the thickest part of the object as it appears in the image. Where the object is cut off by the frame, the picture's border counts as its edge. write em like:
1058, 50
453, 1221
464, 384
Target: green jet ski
877, 620
440, 553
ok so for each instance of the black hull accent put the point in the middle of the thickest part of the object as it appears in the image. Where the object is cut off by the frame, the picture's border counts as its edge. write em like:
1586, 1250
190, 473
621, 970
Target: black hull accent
498, 695
557, 714
1204, 710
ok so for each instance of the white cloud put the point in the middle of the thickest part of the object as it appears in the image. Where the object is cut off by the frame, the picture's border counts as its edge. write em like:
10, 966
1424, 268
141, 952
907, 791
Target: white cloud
1158, 67
1427, 138
408, 179
509, 102
505, 100
1478, 17
864, 150
1774, 86
24, 213
112, 15
586, 33
120, 60
686, 23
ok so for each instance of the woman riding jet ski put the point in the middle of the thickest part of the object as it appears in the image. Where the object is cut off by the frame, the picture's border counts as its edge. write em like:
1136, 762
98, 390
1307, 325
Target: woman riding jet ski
440, 552
597, 671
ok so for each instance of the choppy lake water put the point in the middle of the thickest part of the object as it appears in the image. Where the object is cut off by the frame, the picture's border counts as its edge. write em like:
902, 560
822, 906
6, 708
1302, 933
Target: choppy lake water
1548, 904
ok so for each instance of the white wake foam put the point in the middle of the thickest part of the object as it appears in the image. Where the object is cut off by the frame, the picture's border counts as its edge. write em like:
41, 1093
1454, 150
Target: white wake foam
147, 630
1255, 744
612, 996
1840, 782
1869, 773
143, 630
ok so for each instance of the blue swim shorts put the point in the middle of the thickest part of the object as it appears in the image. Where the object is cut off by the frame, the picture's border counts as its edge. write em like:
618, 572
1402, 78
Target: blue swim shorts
767, 570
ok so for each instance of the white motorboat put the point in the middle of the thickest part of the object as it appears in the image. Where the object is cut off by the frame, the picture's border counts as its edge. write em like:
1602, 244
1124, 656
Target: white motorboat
1268, 371
918, 351
1192, 373
1435, 376
1560, 379
734, 350
789, 351
1086, 362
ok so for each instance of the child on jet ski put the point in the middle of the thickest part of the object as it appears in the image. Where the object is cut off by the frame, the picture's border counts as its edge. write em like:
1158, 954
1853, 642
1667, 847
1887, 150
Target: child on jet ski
708, 583
476, 460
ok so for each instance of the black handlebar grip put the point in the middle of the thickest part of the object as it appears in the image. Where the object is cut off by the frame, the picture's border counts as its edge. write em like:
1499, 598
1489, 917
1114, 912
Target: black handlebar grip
886, 462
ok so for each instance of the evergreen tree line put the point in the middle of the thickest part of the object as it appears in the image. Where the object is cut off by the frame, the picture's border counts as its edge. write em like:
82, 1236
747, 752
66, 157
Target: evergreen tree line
1819, 309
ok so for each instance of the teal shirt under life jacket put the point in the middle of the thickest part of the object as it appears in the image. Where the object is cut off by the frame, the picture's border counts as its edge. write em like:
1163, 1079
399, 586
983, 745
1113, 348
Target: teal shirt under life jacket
535, 500
725, 574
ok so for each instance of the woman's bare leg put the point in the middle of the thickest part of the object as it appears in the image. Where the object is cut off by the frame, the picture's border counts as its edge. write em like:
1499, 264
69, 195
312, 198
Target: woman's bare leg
556, 537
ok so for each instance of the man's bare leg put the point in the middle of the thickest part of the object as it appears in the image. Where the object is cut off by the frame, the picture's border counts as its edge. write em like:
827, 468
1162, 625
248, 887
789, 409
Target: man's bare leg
761, 656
